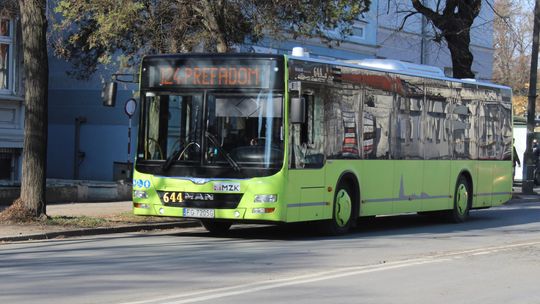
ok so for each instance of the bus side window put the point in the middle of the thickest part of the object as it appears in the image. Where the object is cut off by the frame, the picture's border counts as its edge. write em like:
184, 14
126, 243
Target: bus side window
308, 142
376, 124
306, 129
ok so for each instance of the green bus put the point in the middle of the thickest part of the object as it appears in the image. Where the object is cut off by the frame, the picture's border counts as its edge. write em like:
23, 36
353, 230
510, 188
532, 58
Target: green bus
255, 138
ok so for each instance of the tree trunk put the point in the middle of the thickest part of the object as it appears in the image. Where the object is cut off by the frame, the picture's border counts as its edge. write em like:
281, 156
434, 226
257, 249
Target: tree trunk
462, 57
455, 22
36, 73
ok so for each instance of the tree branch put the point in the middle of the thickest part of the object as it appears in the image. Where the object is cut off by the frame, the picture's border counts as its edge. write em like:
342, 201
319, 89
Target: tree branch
427, 12
503, 18
400, 28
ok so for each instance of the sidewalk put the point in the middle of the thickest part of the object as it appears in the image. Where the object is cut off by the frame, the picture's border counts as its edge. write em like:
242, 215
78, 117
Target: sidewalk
107, 217
118, 218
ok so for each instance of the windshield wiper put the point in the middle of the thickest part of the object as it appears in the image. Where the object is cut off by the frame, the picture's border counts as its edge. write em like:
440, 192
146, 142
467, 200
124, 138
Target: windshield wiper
170, 160
229, 159
177, 155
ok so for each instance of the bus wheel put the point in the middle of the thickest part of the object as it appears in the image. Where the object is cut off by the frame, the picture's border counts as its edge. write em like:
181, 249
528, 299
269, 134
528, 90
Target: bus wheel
342, 212
216, 227
462, 201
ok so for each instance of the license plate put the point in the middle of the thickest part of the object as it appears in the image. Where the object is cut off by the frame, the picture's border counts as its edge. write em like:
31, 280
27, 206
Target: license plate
199, 213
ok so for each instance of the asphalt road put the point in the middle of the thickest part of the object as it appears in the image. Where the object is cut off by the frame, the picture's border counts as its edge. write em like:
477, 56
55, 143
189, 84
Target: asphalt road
493, 258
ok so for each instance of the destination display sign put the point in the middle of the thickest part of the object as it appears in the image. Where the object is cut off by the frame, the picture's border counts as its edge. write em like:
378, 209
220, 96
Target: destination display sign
208, 73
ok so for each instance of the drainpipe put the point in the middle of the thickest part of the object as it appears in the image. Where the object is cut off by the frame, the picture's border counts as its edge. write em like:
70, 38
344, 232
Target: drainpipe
78, 155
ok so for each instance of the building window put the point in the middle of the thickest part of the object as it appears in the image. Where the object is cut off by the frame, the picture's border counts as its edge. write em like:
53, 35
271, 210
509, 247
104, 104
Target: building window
6, 55
9, 163
359, 30
5, 166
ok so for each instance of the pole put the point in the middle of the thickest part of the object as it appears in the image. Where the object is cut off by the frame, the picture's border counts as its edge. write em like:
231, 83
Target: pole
129, 108
129, 150
530, 161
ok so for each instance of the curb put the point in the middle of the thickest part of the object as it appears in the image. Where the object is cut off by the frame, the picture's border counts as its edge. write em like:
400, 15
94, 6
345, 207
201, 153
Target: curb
98, 231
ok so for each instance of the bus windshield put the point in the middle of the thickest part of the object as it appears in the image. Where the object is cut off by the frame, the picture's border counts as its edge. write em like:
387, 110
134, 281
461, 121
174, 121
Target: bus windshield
213, 129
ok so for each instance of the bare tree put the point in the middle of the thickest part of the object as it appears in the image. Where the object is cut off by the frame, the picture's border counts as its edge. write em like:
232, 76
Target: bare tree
512, 44
448, 23
454, 22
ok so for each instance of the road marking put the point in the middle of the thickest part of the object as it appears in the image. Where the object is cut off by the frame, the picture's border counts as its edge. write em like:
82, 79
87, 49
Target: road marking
216, 293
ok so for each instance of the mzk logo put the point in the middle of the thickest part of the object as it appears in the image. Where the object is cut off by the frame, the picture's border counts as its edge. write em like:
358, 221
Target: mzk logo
227, 187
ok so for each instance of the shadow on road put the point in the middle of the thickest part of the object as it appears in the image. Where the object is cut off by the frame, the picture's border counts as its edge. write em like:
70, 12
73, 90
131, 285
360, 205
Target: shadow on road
410, 224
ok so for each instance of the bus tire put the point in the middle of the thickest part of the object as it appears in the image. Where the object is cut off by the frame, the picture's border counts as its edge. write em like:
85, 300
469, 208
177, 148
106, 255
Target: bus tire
462, 201
342, 211
216, 227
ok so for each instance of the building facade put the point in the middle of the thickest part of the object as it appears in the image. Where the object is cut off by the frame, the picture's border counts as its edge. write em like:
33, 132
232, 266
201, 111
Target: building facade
86, 140
11, 99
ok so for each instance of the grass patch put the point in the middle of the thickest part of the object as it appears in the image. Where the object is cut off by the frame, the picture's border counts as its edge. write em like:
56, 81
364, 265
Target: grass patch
124, 218
78, 221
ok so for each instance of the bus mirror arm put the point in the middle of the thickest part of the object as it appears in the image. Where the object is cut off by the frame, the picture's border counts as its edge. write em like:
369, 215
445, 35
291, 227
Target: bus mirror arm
108, 95
298, 110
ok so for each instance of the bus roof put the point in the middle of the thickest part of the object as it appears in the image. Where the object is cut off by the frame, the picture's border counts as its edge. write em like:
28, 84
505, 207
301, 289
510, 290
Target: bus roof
399, 67
381, 65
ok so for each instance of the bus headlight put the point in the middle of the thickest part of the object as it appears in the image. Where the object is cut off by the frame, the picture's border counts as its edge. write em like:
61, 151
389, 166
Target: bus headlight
139, 194
265, 198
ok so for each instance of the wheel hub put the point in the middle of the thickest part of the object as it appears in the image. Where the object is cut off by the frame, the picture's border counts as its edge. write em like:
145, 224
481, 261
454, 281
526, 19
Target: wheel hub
343, 208
462, 199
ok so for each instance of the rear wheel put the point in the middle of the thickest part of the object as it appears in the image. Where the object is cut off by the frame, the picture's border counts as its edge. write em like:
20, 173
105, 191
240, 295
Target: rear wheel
216, 227
342, 215
462, 201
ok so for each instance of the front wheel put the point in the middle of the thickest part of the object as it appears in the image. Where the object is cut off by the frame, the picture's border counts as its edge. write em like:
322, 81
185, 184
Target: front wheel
462, 201
216, 227
342, 214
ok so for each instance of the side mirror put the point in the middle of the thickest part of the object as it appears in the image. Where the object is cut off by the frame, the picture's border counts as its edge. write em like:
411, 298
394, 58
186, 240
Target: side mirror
298, 110
108, 95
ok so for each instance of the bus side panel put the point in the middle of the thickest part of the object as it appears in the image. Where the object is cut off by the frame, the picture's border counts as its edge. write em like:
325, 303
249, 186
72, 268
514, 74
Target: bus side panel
306, 195
408, 177
484, 186
437, 185
502, 182
376, 187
